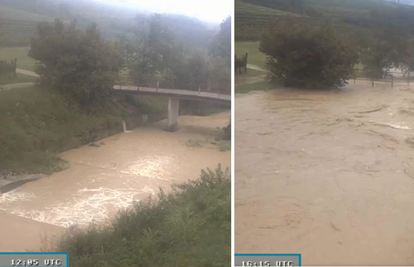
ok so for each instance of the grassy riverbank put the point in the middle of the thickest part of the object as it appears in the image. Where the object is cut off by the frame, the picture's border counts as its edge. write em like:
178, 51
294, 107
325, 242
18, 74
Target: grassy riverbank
191, 226
37, 124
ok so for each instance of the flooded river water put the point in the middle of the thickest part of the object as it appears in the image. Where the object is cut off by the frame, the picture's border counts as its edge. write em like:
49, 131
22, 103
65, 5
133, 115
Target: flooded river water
327, 174
121, 169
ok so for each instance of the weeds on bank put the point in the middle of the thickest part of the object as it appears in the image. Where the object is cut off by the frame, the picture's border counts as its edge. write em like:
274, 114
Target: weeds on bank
37, 124
190, 226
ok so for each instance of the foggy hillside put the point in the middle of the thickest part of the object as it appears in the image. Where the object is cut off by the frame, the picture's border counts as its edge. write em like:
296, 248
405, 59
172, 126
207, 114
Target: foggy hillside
20, 18
407, 2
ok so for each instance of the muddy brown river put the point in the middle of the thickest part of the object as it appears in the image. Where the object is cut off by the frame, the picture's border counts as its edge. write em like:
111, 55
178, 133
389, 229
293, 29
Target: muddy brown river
329, 175
122, 169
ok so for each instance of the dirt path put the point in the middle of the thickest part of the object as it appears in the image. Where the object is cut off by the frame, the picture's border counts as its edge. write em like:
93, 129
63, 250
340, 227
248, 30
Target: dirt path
15, 86
327, 174
27, 72
254, 67
20, 85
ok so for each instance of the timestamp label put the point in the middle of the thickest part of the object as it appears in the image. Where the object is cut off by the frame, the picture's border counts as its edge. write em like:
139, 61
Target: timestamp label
262, 260
39, 259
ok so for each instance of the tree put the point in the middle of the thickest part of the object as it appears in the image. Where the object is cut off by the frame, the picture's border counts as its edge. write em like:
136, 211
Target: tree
155, 56
149, 50
219, 75
77, 62
221, 45
384, 44
300, 55
408, 64
376, 58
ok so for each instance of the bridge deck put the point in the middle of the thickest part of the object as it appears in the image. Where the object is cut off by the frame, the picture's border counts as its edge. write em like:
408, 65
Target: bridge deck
173, 92
186, 94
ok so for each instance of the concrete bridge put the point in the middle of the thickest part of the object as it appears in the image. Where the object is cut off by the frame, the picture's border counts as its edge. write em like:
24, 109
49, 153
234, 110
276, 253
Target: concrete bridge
174, 95
174, 99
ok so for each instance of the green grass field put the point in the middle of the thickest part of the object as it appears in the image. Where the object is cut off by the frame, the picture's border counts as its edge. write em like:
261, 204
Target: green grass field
21, 53
20, 78
253, 80
255, 57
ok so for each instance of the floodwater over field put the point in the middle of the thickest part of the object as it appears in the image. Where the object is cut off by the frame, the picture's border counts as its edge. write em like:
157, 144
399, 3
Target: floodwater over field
327, 174
119, 170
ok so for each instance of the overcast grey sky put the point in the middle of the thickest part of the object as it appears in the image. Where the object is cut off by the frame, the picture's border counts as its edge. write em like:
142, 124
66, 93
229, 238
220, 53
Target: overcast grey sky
206, 10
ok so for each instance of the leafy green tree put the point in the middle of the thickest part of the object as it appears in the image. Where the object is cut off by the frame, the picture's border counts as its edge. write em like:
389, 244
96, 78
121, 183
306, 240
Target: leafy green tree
376, 59
306, 56
221, 45
79, 63
149, 50
383, 44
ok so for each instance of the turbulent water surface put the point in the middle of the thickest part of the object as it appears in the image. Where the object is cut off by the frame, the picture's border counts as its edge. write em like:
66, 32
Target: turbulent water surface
121, 169
327, 174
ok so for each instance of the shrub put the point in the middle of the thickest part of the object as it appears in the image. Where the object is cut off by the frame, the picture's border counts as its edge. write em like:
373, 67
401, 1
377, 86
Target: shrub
300, 55
78, 63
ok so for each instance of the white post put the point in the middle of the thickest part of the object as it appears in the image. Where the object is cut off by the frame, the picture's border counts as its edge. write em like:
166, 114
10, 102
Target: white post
124, 126
173, 112
144, 118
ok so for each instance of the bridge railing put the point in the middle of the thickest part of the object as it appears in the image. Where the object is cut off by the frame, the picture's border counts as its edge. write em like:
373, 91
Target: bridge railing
170, 91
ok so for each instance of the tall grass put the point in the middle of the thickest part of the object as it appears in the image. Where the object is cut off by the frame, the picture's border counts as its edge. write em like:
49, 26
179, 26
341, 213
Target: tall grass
36, 124
189, 226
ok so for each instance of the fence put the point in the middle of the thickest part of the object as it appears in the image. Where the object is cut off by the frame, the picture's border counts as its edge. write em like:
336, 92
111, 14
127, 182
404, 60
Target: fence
392, 78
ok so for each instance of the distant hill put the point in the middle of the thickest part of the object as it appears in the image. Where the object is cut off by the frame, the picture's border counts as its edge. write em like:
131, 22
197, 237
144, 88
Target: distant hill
19, 20
406, 2
253, 16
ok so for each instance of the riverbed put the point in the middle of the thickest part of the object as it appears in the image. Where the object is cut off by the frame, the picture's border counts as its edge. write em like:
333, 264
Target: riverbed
328, 174
111, 174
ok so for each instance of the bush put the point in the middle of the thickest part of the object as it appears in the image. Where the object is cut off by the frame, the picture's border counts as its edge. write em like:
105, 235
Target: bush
78, 63
306, 56
191, 226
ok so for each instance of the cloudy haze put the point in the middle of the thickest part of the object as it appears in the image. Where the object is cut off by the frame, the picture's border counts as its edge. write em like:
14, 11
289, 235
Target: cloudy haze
210, 11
